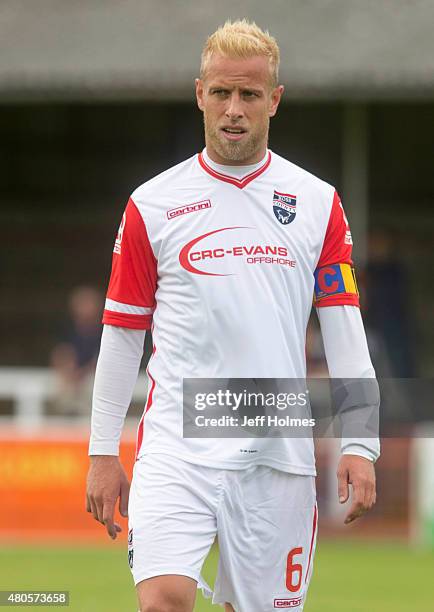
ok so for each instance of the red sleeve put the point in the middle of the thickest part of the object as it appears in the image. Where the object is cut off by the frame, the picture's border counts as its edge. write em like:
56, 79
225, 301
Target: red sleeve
131, 293
335, 281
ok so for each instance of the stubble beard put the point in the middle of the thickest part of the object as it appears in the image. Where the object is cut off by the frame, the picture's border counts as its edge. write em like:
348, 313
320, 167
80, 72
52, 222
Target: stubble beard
236, 151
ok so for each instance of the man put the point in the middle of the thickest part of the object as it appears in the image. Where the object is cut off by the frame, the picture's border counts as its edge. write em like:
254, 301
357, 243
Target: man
219, 255
74, 357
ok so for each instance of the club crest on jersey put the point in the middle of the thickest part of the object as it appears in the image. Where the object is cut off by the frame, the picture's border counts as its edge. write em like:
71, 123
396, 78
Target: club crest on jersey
284, 207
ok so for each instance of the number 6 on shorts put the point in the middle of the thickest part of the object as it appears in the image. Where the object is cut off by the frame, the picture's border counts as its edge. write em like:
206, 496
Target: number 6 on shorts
293, 568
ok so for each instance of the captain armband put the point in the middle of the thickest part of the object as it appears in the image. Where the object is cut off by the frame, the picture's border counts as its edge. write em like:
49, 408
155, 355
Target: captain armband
335, 285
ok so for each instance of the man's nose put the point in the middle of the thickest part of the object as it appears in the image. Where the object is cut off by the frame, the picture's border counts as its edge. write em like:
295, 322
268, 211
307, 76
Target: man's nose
234, 109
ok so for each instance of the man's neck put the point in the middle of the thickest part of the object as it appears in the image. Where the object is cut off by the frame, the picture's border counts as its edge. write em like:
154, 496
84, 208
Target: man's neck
217, 159
230, 168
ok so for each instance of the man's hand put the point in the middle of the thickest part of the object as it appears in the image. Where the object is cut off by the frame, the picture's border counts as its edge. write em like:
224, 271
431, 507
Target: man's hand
360, 473
106, 481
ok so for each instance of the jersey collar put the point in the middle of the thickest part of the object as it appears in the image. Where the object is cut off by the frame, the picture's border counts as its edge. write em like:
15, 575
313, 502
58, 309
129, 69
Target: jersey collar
239, 182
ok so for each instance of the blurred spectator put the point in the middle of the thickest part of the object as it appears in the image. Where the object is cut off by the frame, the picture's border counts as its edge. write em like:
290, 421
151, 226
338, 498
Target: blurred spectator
388, 317
74, 357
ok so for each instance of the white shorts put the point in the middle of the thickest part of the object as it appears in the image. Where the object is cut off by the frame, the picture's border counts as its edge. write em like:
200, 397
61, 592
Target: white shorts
265, 521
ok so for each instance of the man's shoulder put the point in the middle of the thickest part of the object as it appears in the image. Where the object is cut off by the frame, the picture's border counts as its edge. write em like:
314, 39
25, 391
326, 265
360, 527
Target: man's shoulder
167, 182
304, 177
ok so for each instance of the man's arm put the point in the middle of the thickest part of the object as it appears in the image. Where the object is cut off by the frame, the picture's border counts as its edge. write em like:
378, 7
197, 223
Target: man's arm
116, 374
348, 357
128, 313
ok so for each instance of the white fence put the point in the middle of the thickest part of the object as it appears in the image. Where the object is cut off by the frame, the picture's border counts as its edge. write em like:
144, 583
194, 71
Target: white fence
30, 388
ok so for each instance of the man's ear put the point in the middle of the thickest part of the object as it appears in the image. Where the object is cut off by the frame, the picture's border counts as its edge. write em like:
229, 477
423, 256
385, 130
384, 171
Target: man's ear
275, 98
199, 93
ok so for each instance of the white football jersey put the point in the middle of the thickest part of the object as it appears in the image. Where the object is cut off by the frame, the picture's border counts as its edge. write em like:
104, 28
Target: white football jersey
224, 268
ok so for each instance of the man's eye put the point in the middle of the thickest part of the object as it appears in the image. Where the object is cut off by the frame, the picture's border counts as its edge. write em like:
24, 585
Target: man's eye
250, 94
220, 92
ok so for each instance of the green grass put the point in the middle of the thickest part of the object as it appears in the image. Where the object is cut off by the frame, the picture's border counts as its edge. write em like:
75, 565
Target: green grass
348, 577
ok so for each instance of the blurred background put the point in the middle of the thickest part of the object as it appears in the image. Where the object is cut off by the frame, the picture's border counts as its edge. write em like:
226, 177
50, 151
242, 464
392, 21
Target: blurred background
96, 98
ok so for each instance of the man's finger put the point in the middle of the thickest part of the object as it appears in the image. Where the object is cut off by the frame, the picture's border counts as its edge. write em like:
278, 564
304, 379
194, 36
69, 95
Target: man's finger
371, 496
88, 506
369, 499
358, 506
343, 491
356, 512
94, 509
123, 498
100, 509
107, 518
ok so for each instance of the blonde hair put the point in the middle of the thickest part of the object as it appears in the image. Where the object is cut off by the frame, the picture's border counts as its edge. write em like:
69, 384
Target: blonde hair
242, 39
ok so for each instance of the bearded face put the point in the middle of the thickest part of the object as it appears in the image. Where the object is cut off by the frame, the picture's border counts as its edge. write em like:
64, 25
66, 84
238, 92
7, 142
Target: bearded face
237, 101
